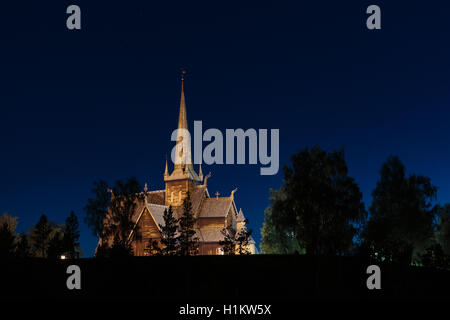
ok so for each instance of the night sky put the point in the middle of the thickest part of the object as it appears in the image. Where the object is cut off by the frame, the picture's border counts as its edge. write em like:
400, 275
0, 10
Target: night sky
101, 103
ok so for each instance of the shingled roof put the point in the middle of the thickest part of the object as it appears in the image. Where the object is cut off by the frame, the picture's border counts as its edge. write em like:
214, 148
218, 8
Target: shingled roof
157, 212
240, 217
215, 207
210, 235
156, 197
197, 197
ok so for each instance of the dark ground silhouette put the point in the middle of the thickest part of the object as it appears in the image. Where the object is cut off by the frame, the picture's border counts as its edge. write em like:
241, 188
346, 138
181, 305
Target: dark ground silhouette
220, 278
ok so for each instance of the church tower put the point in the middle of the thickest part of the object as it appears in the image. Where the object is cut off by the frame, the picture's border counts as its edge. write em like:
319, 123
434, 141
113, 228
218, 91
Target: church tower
183, 177
213, 214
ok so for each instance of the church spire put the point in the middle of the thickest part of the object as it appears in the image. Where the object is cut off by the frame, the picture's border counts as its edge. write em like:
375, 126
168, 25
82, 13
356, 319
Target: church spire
183, 166
183, 158
182, 118
166, 172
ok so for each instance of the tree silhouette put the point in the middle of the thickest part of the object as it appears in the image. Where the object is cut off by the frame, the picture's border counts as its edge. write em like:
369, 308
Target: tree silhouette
276, 240
119, 222
443, 227
10, 221
23, 247
110, 216
435, 257
119, 249
320, 205
97, 208
71, 235
437, 254
401, 222
8, 236
187, 241
7, 241
40, 236
168, 233
55, 247
229, 241
243, 239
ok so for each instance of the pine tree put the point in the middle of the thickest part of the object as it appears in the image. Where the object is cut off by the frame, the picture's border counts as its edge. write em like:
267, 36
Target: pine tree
187, 241
229, 241
55, 247
243, 239
7, 235
7, 241
119, 249
23, 247
168, 233
71, 236
40, 236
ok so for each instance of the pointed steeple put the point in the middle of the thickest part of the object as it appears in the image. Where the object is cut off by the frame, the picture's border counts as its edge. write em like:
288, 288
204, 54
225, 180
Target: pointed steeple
183, 159
183, 165
182, 118
166, 172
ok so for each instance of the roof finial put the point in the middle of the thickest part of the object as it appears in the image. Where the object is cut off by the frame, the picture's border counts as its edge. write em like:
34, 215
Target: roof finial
217, 194
200, 172
145, 188
232, 193
205, 182
183, 73
112, 193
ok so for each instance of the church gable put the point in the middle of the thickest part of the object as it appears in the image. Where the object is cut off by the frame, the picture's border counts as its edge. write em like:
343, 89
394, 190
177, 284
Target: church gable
147, 226
148, 229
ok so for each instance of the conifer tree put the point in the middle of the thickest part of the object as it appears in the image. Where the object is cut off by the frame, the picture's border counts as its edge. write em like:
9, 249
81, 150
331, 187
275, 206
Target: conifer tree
7, 241
187, 241
55, 247
71, 236
40, 234
229, 241
168, 233
243, 239
23, 247
7, 235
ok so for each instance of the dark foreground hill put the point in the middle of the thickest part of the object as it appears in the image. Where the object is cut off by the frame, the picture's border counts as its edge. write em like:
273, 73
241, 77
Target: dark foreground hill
219, 278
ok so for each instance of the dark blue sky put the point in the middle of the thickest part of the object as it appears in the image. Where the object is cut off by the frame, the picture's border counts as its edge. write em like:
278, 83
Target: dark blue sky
101, 103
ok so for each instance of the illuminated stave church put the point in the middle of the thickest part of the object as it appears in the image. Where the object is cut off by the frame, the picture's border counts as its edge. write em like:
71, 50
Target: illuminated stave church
212, 213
